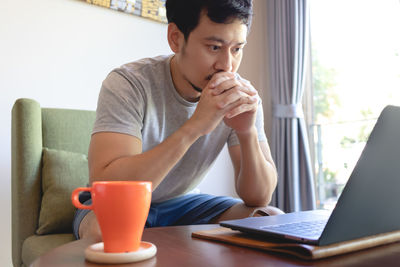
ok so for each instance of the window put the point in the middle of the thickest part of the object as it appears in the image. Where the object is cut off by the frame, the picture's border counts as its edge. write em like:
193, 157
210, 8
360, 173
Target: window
355, 54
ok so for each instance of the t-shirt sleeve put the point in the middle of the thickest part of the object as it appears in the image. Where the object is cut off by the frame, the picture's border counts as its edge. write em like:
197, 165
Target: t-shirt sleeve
233, 139
120, 106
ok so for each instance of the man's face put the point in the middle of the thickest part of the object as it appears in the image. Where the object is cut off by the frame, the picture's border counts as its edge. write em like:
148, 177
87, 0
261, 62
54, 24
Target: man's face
210, 48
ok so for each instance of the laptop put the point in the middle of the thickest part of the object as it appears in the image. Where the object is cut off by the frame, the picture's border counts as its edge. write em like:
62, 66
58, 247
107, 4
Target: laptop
369, 203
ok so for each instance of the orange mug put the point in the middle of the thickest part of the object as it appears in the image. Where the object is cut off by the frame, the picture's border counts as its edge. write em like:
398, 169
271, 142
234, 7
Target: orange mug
121, 208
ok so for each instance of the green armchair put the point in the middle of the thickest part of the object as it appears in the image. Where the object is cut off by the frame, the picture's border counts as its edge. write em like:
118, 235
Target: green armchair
49, 159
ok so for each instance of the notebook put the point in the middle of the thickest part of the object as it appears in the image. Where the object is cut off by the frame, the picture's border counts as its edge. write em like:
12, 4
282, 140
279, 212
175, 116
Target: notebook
369, 204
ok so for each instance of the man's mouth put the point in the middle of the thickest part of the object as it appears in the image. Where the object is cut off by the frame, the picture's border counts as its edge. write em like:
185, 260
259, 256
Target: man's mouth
198, 89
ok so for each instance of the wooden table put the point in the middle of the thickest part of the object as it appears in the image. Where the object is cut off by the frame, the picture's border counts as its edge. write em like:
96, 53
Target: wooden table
176, 247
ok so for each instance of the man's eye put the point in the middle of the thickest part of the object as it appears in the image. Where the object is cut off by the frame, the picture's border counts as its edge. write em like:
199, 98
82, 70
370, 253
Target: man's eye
237, 49
214, 47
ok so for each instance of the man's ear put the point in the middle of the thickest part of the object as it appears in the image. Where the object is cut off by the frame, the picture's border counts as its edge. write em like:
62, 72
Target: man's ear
175, 38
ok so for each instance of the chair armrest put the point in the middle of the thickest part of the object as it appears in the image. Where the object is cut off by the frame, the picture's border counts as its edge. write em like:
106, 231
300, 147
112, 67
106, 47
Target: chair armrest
26, 154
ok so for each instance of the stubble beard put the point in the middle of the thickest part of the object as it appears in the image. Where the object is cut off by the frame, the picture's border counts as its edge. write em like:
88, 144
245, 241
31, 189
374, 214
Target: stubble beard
196, 88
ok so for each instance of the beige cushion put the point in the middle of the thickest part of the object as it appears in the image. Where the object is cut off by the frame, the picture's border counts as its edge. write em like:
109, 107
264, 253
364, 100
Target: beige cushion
62, 172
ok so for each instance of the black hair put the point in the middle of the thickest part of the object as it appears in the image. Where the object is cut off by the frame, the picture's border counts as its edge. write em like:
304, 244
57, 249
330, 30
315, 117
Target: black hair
186, 13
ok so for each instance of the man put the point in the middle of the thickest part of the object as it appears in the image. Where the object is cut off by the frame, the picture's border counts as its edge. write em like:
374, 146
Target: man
165, 119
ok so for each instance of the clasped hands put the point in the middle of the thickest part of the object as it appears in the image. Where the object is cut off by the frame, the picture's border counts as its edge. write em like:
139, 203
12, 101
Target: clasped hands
227, 98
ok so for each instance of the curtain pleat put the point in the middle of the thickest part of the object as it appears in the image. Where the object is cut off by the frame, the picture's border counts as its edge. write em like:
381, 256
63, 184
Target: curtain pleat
288, 42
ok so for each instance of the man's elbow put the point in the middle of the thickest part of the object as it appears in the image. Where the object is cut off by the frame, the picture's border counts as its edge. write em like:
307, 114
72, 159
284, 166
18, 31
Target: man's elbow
261, 198
257, 201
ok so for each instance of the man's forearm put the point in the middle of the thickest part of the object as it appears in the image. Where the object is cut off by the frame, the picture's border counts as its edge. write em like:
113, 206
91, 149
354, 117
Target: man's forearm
152, 165
257, 178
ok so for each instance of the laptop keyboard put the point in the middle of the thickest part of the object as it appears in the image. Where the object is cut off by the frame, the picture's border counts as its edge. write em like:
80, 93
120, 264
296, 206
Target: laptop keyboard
306, 228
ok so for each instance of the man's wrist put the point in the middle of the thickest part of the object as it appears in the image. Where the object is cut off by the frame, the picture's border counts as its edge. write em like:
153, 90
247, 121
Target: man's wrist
190, 131
247, 134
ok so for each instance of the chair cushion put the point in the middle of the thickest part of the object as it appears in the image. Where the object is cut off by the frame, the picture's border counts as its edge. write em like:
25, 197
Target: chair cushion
36, 245
62, 172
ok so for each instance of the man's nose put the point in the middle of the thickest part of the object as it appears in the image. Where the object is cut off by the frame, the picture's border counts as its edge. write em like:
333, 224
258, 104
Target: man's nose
224, 62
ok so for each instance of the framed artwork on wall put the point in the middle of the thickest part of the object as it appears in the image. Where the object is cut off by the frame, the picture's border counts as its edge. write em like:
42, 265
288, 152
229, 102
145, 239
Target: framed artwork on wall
152, 9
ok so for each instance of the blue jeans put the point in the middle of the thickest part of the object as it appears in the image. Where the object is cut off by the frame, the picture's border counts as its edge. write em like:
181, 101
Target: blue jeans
183, 210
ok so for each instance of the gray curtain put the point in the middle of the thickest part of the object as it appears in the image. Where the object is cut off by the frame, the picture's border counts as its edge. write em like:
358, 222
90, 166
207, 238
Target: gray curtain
288, 43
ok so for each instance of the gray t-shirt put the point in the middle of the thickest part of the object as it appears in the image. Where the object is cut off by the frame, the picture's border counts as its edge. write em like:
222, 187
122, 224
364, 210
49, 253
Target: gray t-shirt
140, 99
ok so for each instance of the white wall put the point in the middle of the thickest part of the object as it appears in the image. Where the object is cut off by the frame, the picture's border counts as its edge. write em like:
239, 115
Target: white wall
58, 52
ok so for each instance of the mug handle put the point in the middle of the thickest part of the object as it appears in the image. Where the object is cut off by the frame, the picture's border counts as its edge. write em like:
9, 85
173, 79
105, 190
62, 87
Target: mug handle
75, 198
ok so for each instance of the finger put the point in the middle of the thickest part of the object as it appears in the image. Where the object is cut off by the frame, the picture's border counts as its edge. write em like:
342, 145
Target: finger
232, 96
246, 84
243, 85
240, 109
220, 77
236, 96
249, 88
225, 85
